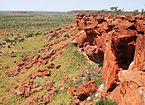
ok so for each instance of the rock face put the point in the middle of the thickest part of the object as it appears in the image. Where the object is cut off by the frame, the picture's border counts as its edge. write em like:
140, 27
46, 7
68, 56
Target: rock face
117, 42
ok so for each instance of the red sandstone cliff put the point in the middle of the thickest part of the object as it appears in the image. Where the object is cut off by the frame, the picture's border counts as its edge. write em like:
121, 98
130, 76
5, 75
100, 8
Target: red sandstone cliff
118, 42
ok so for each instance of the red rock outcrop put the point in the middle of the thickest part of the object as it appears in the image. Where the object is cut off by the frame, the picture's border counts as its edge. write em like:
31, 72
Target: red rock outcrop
81, 93
118, 42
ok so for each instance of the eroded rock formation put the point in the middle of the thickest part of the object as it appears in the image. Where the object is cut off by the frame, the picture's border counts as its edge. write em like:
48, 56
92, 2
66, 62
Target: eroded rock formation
116, 41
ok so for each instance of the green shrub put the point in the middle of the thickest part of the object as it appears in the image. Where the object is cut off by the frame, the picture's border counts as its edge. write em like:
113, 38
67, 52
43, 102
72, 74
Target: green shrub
106, 102
29, 35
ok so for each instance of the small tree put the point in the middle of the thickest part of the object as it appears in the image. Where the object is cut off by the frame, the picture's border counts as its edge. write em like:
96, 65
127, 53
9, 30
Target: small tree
136, 11
113, 8
142, 11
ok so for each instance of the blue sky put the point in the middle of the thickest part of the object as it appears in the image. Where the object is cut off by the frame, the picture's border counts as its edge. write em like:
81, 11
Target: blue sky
67, 5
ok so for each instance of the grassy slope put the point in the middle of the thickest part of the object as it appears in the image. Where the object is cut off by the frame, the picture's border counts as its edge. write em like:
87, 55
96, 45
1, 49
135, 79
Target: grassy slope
16, 25
72, 62
29, 47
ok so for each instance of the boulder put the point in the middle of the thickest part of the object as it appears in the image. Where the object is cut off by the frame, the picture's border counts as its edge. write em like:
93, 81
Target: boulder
84, 91
20, 90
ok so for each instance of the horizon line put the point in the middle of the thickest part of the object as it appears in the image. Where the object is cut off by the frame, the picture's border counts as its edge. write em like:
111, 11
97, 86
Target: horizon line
63, 11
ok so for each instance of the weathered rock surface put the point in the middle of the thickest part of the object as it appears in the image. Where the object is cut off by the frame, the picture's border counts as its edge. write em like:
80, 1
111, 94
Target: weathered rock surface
118, 43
